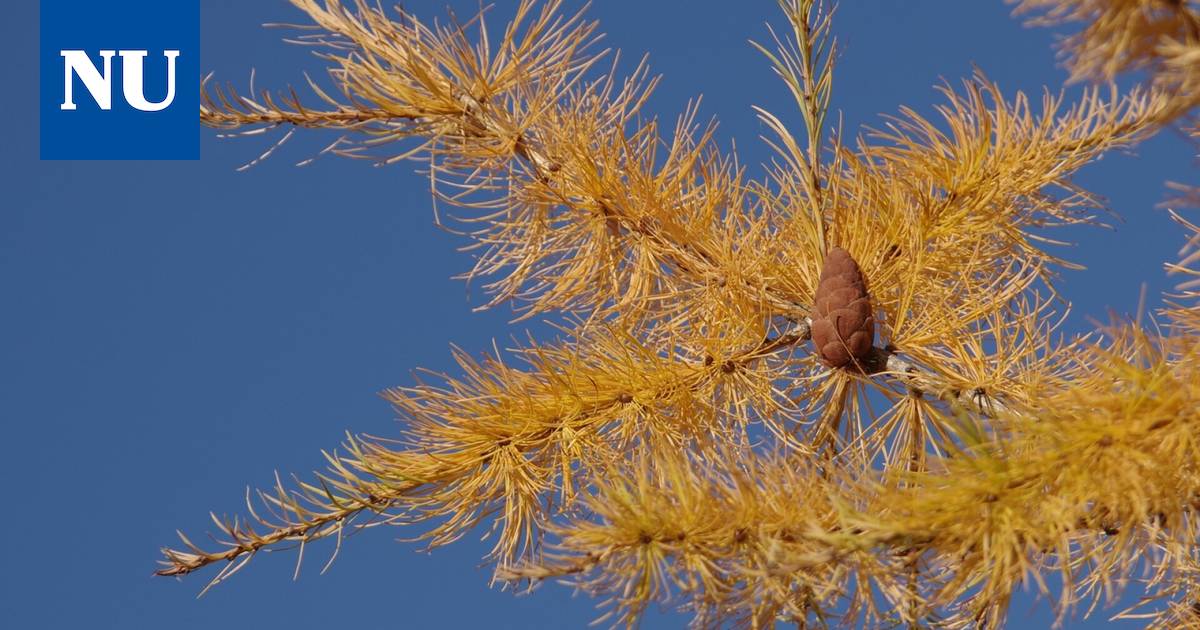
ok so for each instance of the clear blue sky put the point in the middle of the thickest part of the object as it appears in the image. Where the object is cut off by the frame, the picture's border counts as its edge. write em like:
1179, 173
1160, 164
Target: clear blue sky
171, 332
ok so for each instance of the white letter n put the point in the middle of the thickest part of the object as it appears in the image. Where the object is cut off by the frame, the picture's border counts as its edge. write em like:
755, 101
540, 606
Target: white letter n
100, 86
133, 67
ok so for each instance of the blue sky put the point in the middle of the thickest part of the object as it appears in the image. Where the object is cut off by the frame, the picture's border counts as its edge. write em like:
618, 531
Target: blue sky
174, 331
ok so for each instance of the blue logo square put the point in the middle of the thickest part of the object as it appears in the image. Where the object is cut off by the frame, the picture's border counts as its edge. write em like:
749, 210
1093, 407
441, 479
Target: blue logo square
120, 80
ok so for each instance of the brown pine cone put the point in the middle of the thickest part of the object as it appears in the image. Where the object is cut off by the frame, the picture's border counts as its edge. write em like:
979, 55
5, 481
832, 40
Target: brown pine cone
843, 326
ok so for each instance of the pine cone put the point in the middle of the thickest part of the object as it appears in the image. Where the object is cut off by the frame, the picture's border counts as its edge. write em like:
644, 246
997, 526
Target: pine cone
843, 327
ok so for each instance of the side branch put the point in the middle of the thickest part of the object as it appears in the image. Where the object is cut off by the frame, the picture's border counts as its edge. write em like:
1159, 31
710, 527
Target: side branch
422, 482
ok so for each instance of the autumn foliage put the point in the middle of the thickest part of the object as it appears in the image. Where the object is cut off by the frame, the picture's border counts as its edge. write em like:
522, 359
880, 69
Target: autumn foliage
835, 394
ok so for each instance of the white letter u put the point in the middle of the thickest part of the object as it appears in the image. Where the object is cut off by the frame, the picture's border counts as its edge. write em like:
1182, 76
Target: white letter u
133, 62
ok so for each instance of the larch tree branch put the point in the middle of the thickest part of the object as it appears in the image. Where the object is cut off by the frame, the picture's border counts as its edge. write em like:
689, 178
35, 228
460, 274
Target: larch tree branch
937, 444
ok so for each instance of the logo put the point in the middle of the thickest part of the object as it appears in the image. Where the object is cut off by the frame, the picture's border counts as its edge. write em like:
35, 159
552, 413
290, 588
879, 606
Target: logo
120, 80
